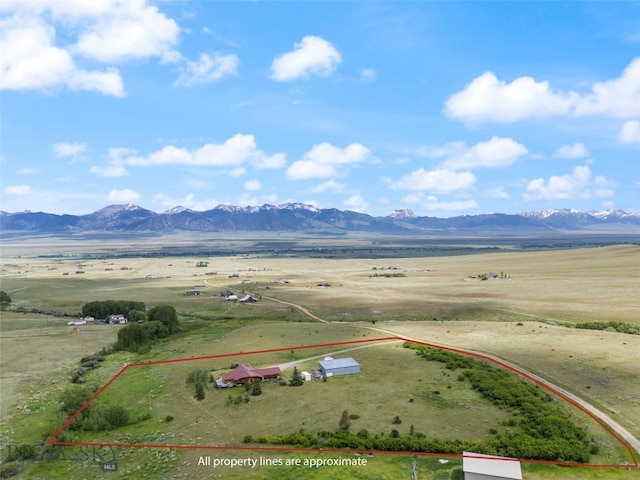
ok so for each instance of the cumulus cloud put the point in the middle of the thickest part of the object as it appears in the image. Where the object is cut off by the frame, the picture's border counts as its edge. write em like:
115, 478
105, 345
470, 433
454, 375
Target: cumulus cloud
129, 30
329, 186
123, 196
579, 184
356, 203
494, 153
66, 150
311, 56
234, 152
18, 189
489, 99
110, 171
207, 69
630, 132
325, 160
619, 97
576, 150
107, 31
435, 181
252, 185
432, 203
497, 192
31, 61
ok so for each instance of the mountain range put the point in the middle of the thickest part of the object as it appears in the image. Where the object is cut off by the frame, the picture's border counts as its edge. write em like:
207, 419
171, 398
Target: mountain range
299, 217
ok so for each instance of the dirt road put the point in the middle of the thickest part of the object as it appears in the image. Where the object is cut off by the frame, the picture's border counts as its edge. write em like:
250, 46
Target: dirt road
612, 424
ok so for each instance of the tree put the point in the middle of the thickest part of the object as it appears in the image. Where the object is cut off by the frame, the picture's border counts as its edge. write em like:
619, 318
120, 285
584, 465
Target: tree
132, 337
200, 394
296, 378
345, 421
167, 315
136, 315
116, 416
5, 299
256, 389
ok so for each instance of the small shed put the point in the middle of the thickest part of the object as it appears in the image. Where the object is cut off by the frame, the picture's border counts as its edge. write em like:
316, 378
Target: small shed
338, 366
306, 376
486, 467
193, 293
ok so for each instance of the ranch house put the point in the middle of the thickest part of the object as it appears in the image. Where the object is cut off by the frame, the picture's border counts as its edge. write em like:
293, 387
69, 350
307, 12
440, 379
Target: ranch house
330, 367
246, 375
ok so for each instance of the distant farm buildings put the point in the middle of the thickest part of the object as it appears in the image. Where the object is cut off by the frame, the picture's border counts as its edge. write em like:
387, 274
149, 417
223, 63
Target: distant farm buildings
117, 318
248, 299
486, 467
193, 293
246, 375
330, 367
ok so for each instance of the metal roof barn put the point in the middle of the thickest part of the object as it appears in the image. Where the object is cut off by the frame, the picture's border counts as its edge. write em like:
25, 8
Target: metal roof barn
486, 467
338, 366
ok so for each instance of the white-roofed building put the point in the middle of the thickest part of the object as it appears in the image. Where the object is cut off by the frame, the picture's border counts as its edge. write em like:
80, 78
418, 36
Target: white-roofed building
486, 467
339, 366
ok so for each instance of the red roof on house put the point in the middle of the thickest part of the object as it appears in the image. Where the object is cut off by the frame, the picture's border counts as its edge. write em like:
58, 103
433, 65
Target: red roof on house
244, 371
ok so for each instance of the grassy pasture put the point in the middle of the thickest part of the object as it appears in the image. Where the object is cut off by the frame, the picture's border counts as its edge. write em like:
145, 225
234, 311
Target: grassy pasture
599, 366
394, 382
568, 285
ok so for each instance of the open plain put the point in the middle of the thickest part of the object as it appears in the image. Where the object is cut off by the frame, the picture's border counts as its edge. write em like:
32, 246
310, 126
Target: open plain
526, 315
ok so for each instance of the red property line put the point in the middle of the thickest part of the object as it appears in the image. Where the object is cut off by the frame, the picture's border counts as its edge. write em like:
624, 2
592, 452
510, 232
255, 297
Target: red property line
51, 439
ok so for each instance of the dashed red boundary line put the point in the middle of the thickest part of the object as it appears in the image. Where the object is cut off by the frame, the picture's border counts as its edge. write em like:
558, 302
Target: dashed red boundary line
51, 440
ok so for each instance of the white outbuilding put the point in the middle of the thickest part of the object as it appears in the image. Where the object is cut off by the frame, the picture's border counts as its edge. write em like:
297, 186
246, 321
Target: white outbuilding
487, 467
339, 366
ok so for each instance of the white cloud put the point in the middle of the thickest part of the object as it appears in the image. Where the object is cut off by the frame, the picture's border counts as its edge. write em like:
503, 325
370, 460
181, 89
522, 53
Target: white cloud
313, 55
329, 186
30, 61
237, 172
252, 185
123, 196
356, 203
435, 181
18, 190
630, 132
188, 201
619, 97
494, 153
368, 74
576, 150
129, 30
66, 150
488, 99
497, 192
324, 161
110, 171
431, 203
579, 184
29, 171
234, 152
208, 69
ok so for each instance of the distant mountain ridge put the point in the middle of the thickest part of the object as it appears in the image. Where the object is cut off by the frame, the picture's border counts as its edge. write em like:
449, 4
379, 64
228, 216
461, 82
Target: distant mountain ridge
308, 218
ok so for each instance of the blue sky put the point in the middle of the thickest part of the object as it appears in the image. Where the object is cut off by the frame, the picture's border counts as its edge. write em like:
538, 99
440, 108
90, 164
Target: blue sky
446, 108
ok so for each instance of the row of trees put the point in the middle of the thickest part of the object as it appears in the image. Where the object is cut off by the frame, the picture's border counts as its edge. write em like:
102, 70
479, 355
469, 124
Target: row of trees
101, 309
544, 433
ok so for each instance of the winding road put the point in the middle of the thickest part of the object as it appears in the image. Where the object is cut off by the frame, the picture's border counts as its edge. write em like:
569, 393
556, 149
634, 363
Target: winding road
614, 426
